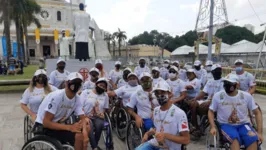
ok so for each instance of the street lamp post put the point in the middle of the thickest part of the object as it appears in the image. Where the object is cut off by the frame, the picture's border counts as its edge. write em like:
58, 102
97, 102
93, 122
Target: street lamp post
263, 42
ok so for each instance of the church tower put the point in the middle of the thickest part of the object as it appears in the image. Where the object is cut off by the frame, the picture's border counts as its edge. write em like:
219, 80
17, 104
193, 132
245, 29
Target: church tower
77, 2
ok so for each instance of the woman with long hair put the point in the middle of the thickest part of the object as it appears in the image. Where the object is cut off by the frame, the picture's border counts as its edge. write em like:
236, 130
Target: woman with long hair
35, 93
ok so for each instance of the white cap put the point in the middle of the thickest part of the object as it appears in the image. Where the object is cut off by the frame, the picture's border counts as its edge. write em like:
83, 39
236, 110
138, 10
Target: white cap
215, 66
39, 71
117, 63
163, 86
94, 69
74, 75
197, 63
128, 69
232, 78
239, 61
209, 63
145, 74
156, 69
166, 61
60, 60
175, 68
98, 61
191, 70
176, 62
142, 59
102, 80
132, 74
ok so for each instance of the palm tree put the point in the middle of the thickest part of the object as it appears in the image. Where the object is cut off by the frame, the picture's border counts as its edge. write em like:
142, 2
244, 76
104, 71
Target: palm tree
120, 36
113, 41
108, 38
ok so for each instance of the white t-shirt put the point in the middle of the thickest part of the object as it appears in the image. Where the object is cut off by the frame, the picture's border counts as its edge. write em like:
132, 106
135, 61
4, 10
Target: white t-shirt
156, 81
164, 72
201, 75
213, 86
140, 99
58, 104
247, 80
56, 78
209, 76
121, 83
172, 121
125, 92
88, 85
138, 70
182, 74
228, 107
177, 86
114, 75
196, 84
34, 98
89, 100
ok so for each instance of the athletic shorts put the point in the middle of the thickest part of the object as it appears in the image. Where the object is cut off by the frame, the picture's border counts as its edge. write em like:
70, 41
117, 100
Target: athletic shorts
148, 124
244, 133
12, 68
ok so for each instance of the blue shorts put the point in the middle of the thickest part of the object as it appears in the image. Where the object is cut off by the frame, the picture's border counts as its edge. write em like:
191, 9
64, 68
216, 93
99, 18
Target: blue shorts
244, 133
12, 68
146, 146
148, 124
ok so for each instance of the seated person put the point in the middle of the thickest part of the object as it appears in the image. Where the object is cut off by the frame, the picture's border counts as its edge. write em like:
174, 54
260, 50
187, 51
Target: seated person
232, 107
192, 85
123, 81
171, 125
90, 83
57, 107
143, 101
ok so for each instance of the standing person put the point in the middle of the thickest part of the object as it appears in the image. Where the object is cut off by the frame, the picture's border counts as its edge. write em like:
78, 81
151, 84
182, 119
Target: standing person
12, 64
142, 67
59, 76
208, 68
41, 63
164, 71
171, 124
21, 66
1, 67
123, 80
247, 80
64, 45
181, 71
57, 107
95, 102
201, 74
156, 78
193, 84
232, 107
116, 74
35, 93
81, 21
99, 66
94, 76
177, 86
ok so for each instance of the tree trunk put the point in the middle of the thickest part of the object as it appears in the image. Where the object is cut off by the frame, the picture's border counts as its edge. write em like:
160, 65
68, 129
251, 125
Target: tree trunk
6, 15
109, 47
18, 37
119, 48
27, 45
22, 43
113, 49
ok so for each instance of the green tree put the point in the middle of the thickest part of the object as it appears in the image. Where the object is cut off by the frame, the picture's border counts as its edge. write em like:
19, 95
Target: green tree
259, 37
108, 39
120, 36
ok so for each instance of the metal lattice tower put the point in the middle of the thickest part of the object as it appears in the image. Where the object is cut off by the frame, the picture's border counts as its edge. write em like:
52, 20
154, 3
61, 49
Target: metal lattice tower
220, 18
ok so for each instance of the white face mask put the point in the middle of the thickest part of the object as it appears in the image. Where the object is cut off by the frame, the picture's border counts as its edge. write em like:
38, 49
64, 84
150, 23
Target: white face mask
165, 65
209, 68
172, 75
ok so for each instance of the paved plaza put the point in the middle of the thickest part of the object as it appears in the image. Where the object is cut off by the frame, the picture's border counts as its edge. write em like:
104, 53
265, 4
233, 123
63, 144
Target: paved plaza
11, 124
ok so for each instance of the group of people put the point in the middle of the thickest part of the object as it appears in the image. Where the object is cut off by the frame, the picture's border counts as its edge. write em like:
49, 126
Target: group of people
156, 98
11, 67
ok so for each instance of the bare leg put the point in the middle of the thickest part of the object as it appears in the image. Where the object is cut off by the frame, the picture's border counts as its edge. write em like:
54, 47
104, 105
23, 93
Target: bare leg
193, 108
235, 145
253, 146
79, 141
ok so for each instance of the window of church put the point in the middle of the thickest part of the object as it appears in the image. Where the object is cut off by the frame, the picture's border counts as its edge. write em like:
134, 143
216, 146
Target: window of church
58, 15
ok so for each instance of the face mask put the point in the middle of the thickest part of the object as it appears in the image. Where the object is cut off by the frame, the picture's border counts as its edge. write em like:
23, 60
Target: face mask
165, 65
117, 67
229, 87
61, 67
125, 76
74, 87
142, 65
172, 75
146, 85
133, 82
239, 69
99, 90
155, 75
217, 74
197, 67
209, 68
42, 79
162, 99
94, 78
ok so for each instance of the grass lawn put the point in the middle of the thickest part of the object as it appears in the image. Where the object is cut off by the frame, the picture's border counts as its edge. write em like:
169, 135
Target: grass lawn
28, 73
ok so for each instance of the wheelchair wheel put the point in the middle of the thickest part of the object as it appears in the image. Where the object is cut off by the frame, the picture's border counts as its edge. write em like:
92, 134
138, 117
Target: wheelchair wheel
67, 147
134, 136
42, 142
212, 142
107, 132
27, 128
121, 123
204, 124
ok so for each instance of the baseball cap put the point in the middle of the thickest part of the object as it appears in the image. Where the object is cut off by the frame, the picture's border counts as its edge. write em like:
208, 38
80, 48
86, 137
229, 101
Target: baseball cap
94, 69
117, 63
128, 69
145, 74
232, 78
74, 75
163, 86
102, 80
166, 61
176, 62
209, 63
197, 63
60, 60
98, 61
239, 61
175, 68
142, 59
191, 70
132, 74
39, 71
156, 69
216, 66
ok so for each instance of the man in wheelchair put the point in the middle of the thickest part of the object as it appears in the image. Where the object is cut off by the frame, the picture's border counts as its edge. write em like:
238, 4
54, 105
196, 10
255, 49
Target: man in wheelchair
171, 124
232, 107
57, 107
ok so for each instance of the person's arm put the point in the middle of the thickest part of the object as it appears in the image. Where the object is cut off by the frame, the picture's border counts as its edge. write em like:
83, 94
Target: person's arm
182, 96
252, 84
252, 90
258, 117
26, 109
211, 118
111, 93
183, 138
200, 96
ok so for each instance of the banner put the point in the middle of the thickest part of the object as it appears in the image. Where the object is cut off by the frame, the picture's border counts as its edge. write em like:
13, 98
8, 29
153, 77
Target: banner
14, 45
56, 36
21, 52
37, 35
67, 33
4, 46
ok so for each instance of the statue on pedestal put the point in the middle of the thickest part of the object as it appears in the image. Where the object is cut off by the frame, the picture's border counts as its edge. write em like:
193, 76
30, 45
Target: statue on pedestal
64, 45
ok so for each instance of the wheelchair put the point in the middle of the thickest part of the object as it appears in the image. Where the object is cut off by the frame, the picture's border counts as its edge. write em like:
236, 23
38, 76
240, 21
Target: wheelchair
133, 135
114, 108
122, 121
28, 124
107, 132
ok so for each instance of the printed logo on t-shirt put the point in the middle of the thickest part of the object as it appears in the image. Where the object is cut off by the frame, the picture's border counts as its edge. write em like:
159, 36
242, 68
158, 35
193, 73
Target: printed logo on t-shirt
50, 106
184, 125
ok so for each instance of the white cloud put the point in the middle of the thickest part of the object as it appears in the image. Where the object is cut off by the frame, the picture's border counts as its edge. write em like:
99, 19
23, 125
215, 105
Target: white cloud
194, 7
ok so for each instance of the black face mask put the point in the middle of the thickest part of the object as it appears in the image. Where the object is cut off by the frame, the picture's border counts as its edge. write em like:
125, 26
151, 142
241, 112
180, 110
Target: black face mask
74, 86
162, 99
229, 87
41, 79
125, 74
117, 67
197, 67
155, 74
99, 90
142, 64
217, 74
61, 67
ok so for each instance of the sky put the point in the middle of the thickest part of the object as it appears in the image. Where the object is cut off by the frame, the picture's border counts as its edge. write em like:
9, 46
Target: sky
175, 17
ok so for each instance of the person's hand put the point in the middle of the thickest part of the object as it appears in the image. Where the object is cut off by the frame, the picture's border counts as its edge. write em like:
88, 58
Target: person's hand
213, 131
261, 138
139, 121
205, 105
33, 117
101, 115
160, 137
76, 127
145, 138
